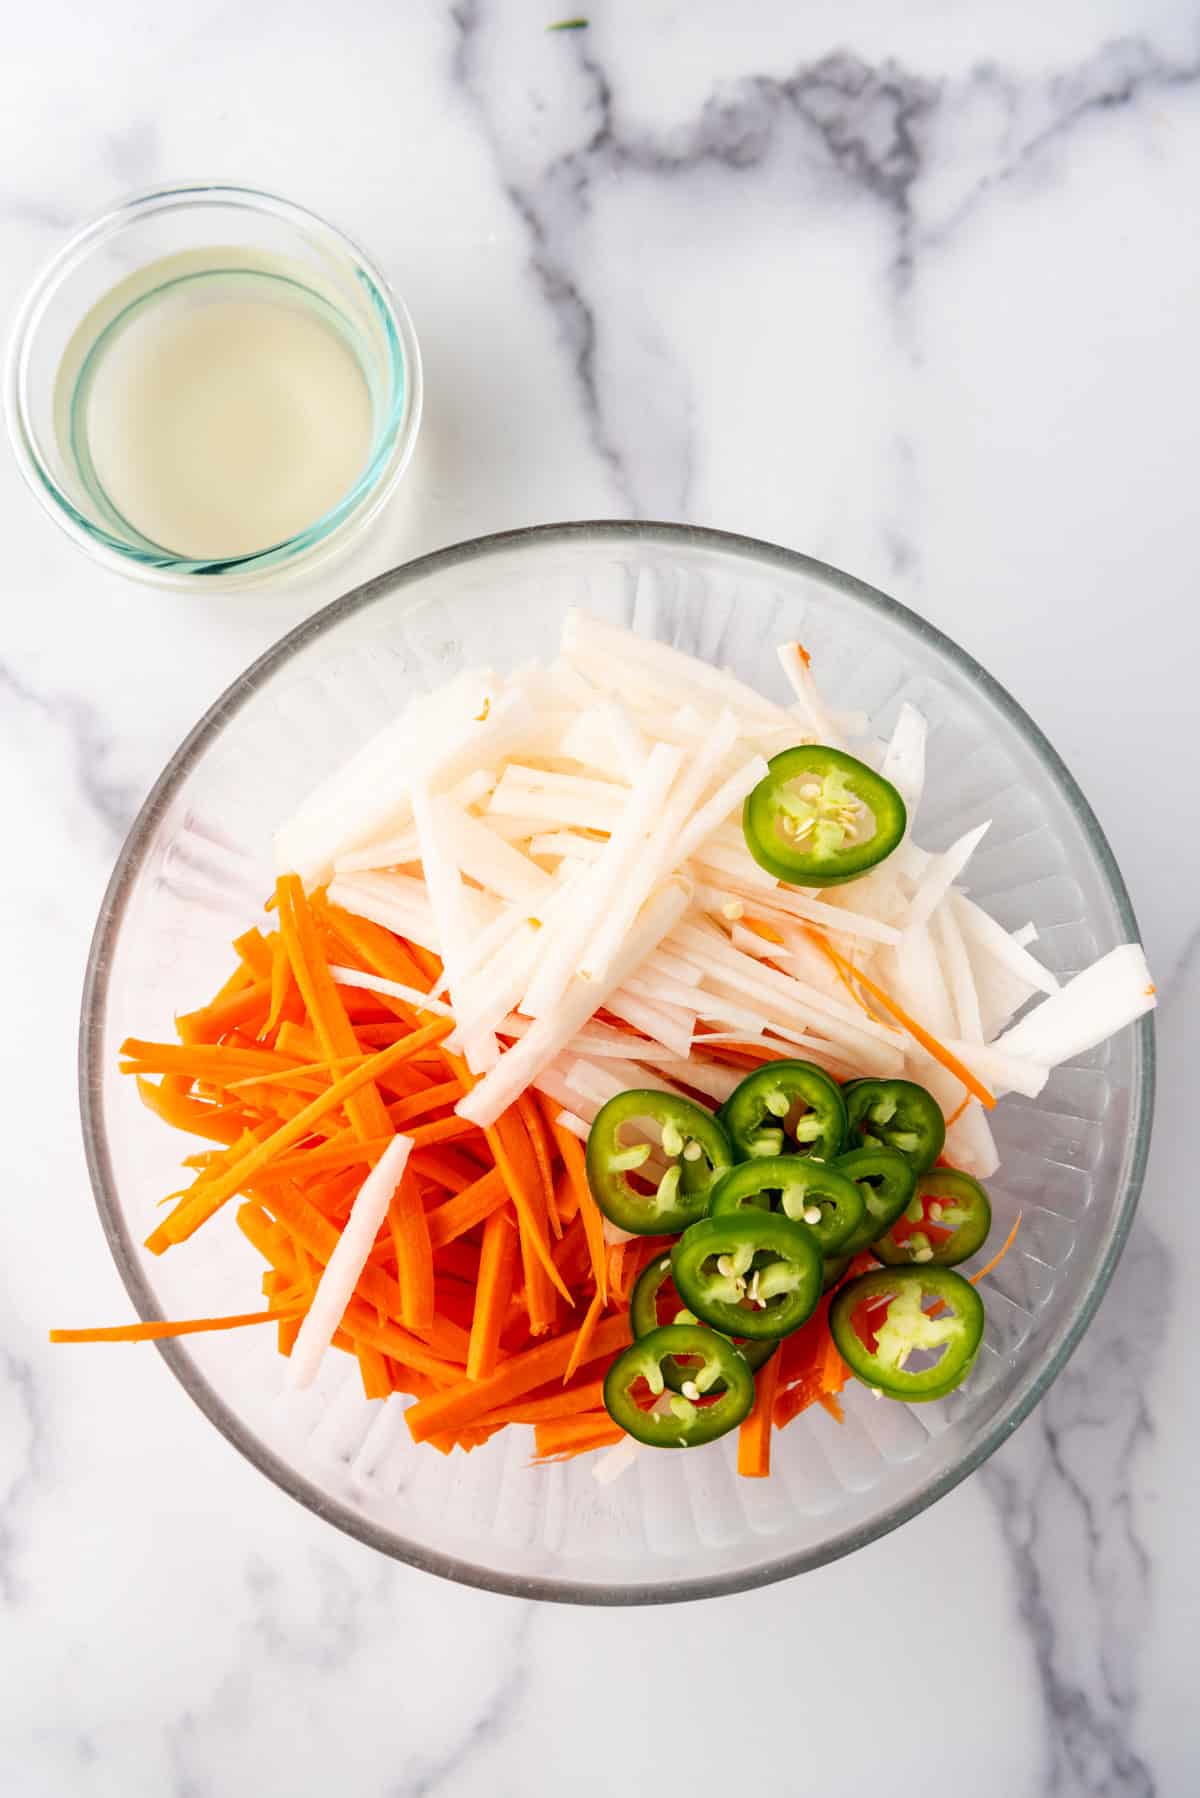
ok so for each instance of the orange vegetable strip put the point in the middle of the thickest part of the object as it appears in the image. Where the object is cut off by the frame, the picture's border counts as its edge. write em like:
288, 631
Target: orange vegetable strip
364, 1325
372, 1364
200, 1117
535, 1250
754, 1436
447, 1166
917, 1031
583, 1337
531, 1117
616, 1270
197, 1208
447, 1093
414, 1256
958, 1110
575, 1163
450, 1129
568, 1403
217, 1062
157, 1331
989, 1267
376, 951
559, 1441
466, 1209
281, 979
492, 1293
210, 1022
335, 1033
254, 952
468, 1401
566, 1199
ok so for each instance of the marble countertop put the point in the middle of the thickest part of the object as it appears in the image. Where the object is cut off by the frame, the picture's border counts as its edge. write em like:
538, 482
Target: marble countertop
914, 289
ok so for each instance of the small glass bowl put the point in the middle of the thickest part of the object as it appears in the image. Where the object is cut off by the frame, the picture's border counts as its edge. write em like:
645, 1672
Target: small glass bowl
190, 223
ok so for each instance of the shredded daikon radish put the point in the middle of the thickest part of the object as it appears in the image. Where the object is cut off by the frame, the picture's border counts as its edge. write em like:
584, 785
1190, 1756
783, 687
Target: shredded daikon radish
663, 1024
998, 1070
818, 723
505, 1083
615, 1461
956, 970
904, 758
1095, 1005
336, 1286
375, 983
941, 874
981, 930
787, 903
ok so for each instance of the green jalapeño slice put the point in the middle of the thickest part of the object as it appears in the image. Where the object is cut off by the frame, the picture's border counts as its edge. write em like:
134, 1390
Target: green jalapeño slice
808, 1192
819, 817
654, 1286
886, 1182
783, 1108
890, 1340
750, 1273
947, 1220
674, 1174
895, 1114
678, 1421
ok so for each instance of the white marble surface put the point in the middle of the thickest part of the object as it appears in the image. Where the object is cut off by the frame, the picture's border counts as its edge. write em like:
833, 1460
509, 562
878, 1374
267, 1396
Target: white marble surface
914, 288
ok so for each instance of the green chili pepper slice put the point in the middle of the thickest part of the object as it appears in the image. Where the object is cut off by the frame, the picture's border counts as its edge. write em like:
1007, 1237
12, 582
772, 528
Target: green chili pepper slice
643, 1316
692, 1153
750, 1273
948, 1218
786, 1108
895, 1114
879, 1322
686, 1419
819, 817
886, 1182
806, 1191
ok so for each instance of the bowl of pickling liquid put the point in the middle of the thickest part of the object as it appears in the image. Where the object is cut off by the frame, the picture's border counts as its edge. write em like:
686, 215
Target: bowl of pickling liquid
210, 386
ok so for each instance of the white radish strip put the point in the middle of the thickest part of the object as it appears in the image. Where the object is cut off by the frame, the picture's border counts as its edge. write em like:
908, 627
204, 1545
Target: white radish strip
553, 1083
970, 1144
485, 857
375, 983
715, 810
490, 995
785, 901
594, 811
514, 829
657, 856
674, 673
615, 1461
336, 1286
999, 1071
737, 862
552, 1032
434, 820
393, 852
980, 929
1096, 1004
794, 662
604, 880
558, 843
661, 991
614, 1236
941, 874
671, 967
904, 758
1027, 934
956, 970
621, 1076
627, 740
862, 1053
699, 945
403, 917
570, 1120
661, 1023
546, 780
708, 1077
913, 975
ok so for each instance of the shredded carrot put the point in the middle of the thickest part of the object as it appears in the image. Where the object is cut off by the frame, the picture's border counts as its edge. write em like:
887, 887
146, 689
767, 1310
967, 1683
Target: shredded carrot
583, 1337
509, 1146
532, 1119
989, 1267
575, 1163
157, 1331
567, 1403
466, 1402
414, 1255
754, 1436
560, 1440
492, 1293
767, 932
958, 1110
461, 1213
917, 1031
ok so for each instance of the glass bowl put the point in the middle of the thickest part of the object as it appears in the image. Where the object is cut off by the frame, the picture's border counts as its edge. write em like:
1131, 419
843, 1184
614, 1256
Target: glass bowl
120, 262
194, 872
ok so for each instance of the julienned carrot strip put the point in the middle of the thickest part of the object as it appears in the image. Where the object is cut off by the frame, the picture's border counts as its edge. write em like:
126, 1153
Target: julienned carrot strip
958, 1110
372, 1365
567, 1403
917, 1031
200, 1117
574, 1436
505, 1144
441, 1130
220, 1063
571, 1150
447, 1166
468, 1401
190, 1326
492, 1293
414, 1256
616, 1270
583, 1337
754, 1436
197, 1208
335, 1033
281, 979
418, 1104
210, 1022
254, 952
363, 1324
467, 1208
375, 951
989, 1267
531, 1117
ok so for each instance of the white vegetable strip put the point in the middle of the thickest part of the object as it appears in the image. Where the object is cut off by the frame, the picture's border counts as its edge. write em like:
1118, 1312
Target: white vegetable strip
1026, 935
674, 673
434, 821
407, 918
981, 929
659, 853
715, 810
714, 950
904, 758
393, 852
627, 740
1000, 1071
588, 805
1096, 1004
970, 1144
552, 1032
375, 983
662, 1023
941, 874
956, 969
566, 842
786, 902
709, 1077
336, 1286
615, 1461
604, 880
819, 724
484, 857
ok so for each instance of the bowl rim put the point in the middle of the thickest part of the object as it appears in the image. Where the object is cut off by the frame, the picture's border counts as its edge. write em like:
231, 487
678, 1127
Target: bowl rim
90, 1069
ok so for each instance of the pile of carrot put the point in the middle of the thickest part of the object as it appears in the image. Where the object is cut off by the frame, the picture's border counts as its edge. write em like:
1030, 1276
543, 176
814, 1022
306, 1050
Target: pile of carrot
491, 1295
